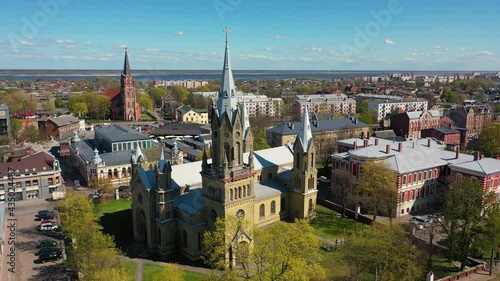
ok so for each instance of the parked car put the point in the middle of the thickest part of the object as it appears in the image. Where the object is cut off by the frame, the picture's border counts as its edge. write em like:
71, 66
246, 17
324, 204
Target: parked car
324, 179
47, 243
95, 195
48, 250
48, 221
50, 256
46, 215
49, 226
417, 224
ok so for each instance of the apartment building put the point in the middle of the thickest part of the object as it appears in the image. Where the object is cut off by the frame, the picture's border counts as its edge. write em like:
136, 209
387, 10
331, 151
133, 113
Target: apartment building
32, 176
472, 117
330, 104
385, 107
411, 124
188, 114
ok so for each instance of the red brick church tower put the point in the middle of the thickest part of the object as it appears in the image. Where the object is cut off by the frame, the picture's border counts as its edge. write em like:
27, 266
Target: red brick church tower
124, 104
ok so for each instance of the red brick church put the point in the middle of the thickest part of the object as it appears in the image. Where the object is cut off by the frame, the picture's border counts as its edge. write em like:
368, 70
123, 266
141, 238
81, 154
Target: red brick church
124, 103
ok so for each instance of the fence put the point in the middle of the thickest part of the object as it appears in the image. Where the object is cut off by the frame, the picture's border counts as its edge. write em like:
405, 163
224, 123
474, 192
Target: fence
348, 212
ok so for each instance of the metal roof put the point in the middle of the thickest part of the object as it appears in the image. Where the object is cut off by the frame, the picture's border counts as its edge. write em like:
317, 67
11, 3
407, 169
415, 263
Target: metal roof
293, 128
116, 133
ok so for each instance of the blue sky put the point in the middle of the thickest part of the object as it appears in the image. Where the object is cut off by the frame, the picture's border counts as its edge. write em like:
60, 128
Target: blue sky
265, 35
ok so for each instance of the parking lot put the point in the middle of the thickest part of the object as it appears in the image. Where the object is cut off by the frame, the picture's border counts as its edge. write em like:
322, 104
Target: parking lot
27, 239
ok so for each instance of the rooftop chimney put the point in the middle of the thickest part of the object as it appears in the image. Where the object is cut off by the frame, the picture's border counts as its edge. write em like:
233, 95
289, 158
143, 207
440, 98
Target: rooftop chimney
428, 142
476, 155
365, 143
376, 142
400, 147
355, 145
457, 152
388, 149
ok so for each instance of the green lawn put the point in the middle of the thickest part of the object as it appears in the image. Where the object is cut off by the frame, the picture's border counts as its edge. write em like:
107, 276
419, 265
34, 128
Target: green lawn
328, 223
150, 269
112, 206
145, 116
130, 269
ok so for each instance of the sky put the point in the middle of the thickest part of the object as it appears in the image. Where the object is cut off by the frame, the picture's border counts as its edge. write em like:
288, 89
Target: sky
265, 35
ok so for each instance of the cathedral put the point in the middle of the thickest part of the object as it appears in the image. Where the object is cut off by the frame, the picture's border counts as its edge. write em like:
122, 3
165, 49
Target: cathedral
124, 103
173, 205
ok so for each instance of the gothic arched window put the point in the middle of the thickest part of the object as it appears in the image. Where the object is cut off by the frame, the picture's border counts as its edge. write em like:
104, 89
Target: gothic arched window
262, 210
273, 207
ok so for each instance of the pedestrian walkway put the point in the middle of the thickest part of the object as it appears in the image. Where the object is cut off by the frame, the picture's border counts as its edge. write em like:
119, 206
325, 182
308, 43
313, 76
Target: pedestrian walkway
138, 270
480, 276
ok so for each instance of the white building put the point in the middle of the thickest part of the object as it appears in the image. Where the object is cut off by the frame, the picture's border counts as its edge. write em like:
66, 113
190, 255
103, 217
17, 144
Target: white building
344, 106
255, 105
189, 84
384, 107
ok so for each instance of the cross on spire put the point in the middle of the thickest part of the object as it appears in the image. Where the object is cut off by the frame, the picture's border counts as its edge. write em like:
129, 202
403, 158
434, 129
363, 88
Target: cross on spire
227, 33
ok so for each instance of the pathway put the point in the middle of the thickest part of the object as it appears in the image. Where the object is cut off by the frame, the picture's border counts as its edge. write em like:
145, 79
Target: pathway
138, 270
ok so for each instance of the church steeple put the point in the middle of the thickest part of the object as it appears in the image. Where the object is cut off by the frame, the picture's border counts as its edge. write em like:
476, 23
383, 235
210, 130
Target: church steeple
227, 92
126, 64
246, 121
305, 134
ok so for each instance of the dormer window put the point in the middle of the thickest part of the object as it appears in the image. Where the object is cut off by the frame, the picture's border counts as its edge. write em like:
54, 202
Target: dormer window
225, 94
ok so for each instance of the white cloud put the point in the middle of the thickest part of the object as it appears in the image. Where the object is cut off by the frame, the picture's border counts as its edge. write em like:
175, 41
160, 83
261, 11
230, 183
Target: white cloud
67, 57
151, 50
90, 43
462, 49
410, 59
26, 43
179, 33
446, 49
2, 42
484, 53
438, 47
278, 37
389, 42
417, 53
64, 41
265, 49
119, 46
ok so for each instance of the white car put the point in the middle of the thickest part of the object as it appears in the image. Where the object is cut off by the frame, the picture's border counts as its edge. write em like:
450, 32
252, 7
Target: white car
324, 179
48, 226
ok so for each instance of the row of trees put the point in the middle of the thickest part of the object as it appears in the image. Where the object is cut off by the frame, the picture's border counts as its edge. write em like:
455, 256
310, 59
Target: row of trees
92, 253
97, 106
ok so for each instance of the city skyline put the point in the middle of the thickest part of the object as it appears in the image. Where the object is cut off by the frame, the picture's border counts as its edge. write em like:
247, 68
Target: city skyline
358, 35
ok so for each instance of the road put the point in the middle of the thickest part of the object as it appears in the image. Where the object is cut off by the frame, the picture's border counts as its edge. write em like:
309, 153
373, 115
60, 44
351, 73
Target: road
27, 238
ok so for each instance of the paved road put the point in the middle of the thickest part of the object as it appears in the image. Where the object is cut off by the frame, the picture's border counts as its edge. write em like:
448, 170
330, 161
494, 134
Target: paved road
27, 238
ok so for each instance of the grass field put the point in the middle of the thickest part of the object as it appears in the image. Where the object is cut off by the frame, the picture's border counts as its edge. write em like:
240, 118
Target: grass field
130, 269
116, 220
328, 223
150, 269
112, 206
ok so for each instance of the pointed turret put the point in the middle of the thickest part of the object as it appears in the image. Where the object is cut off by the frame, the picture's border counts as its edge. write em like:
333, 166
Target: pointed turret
305, 134
137, 157
96, 159
75, 137
162, 155
126, 65
246, 121
227, 92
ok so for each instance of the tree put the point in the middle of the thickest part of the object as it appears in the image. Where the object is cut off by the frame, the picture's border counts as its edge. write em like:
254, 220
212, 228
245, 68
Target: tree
157, 93
145, 101
152, 154
378, 187
497, 108
58, 102
259, 140
180, 94
343, 179
16, 127
101, 185
284, 251
169, 273
383, 250
489, 234
488, 141
464, 210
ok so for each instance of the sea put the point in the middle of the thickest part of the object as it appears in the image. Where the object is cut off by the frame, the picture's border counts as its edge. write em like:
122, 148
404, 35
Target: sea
155, 75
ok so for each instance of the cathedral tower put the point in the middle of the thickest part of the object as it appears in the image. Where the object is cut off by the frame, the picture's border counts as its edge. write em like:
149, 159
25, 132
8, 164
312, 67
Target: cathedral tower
228, 180
130, 110
303, 183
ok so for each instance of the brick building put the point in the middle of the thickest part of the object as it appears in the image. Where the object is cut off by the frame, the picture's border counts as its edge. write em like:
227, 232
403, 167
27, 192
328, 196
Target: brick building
472, 117
59, 128
411, 124
124, 103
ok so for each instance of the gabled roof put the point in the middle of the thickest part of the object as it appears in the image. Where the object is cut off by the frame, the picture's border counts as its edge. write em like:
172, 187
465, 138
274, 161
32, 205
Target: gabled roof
38, 162
112, 93
293, 128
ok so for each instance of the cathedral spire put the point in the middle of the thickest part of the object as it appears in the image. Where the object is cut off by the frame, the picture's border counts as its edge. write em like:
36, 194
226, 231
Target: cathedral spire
305, 134
162, 155
227, 92
126, 64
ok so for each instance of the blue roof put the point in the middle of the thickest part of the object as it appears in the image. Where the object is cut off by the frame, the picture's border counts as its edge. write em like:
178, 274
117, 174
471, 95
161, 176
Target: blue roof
268, 188
190, 202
